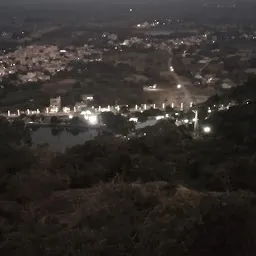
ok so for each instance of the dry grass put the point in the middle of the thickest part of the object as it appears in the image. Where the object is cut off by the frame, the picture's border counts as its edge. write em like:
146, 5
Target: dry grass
136, 219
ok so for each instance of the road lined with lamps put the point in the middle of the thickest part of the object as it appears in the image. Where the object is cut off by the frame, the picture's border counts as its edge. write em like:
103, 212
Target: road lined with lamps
91, 116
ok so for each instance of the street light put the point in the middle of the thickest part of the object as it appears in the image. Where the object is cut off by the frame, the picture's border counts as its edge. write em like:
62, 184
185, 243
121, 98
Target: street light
93, 119
179, 86
207, 129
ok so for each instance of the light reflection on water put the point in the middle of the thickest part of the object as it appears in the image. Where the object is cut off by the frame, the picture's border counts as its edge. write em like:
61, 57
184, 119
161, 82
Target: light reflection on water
60, 141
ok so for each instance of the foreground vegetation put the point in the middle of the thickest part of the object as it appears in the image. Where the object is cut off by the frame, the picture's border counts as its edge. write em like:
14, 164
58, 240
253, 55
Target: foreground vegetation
160, 194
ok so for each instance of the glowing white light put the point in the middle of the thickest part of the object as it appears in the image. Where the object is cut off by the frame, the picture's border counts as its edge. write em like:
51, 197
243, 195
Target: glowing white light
159, 117
133, 119
171, 68
70, 116
130, 10
66, 110
209, 80
104, 110
87, 112
125, 42
207, 129
186, 121
179, 86
93, 119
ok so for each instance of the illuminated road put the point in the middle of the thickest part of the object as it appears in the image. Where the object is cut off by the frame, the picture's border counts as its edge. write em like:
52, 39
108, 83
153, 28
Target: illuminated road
187, 95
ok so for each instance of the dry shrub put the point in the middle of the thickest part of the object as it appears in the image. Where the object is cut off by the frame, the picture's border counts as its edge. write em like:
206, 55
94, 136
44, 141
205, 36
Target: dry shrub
137, 219
35, 184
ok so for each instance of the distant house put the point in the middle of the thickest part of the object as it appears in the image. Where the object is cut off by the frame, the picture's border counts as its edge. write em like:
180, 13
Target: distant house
226, 86
55, 104
87, 97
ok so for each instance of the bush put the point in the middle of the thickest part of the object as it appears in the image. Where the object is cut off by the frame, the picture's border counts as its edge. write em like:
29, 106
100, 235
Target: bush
158, 194
136, 219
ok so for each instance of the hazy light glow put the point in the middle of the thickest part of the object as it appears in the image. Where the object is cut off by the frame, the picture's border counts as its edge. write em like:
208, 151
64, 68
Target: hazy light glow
66, 110
104, 109
159, 117
207, 129
86, 112
93, 119
133, 119
179, 86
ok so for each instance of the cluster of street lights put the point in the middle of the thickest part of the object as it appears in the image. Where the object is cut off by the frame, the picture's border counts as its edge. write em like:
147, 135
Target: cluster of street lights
91, 118
205, 129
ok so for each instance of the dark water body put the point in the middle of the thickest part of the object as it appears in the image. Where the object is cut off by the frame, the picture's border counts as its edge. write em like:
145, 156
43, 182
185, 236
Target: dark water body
59, 140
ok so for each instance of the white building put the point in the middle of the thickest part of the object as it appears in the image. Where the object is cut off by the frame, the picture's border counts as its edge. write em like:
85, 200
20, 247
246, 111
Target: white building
87, 97
55, 104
